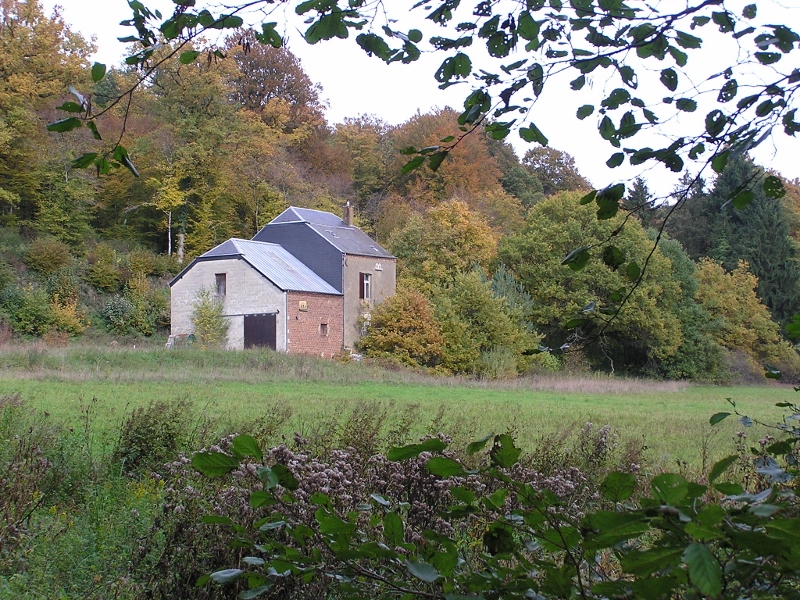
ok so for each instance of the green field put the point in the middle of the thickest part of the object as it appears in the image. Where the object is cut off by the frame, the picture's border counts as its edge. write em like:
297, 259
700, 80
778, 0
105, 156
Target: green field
94, 529
239, 389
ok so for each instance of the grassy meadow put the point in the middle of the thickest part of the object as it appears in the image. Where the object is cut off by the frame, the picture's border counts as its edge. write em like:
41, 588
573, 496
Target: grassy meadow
244, 389
94, 504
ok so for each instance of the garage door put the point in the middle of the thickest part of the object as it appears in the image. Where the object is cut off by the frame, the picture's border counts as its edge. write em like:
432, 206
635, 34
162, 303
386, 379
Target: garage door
259, 331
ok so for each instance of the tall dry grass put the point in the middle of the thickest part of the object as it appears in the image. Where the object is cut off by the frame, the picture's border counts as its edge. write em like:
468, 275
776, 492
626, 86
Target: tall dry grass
127, 363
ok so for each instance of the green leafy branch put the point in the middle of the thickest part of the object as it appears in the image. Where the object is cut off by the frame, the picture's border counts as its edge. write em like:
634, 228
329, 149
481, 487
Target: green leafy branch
682, 538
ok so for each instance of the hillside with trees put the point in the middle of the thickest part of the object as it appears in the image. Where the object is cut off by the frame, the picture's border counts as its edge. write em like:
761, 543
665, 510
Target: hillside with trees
221, 146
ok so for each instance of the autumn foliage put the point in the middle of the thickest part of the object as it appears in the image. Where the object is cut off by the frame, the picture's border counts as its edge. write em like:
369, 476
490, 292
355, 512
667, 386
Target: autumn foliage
404, 328
222, 146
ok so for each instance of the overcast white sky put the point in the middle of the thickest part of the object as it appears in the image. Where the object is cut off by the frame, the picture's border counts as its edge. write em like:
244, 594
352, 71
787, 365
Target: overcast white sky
355, 84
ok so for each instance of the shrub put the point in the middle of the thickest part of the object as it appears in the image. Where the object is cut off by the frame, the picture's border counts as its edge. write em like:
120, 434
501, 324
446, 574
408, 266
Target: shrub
545, 362
152, 436
67, 526
6, 274
39, 464
498, 531
27, 309
47, 255
475, 321
497, 363
210, 326
404, 328
165, 265
104, 271
62, 288
24, 471
119, 314
160, 307
67, 317
138, 310
143, 262
138, 292
63, 284
30, 311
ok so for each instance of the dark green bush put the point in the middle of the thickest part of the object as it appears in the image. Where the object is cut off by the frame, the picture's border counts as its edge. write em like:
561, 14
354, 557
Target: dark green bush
151, 436
139, 310
104, 269
27, 310
6, 274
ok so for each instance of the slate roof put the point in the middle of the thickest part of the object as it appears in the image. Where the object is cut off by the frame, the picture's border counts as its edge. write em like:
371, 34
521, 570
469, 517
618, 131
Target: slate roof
351, 240
272, 261
346, 239
294, 214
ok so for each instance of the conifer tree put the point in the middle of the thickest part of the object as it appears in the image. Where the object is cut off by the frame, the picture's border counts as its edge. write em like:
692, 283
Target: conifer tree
709, 225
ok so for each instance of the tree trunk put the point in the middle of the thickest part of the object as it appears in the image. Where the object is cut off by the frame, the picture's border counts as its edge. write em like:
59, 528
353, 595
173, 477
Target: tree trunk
181, 238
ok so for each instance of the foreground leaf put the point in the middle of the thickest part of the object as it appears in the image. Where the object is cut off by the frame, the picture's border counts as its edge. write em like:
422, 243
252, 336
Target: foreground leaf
412, 450
246, 445
226, 575
618, 487
444, 467
65, 125
704, 570
423, 571
214, 464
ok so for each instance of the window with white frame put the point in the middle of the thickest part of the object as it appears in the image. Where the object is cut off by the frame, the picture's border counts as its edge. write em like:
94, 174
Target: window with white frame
365, 286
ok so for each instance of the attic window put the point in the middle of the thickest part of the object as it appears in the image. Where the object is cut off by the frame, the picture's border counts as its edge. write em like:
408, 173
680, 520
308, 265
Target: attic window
221, 281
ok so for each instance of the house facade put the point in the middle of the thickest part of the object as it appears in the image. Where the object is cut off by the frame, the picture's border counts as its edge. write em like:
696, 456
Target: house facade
306, 283
341, 254
269, 298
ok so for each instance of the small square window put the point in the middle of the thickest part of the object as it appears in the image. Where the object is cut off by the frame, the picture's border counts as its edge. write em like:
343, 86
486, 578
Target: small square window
221, 284
323, 329
365, 286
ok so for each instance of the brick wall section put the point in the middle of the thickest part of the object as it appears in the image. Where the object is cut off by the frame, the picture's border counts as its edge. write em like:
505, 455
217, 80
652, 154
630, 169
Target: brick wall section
304, 332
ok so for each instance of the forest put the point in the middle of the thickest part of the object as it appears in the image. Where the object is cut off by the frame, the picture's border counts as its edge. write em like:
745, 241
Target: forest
223, 145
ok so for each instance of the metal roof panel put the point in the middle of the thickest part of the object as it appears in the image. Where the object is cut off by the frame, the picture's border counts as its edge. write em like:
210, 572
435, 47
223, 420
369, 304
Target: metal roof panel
274, 262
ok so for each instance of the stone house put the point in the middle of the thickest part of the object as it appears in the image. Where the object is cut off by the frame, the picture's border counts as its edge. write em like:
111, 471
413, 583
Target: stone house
269, 297
305, 284
341, 254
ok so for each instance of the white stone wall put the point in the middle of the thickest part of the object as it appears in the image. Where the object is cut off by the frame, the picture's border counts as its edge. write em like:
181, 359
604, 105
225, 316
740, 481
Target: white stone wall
247, 292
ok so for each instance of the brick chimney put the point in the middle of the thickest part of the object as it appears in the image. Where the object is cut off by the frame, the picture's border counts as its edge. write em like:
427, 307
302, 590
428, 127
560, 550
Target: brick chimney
348, 215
